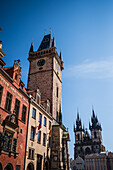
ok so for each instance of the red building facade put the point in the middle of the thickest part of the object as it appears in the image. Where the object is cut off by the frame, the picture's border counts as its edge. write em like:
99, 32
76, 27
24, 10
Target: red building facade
14, 107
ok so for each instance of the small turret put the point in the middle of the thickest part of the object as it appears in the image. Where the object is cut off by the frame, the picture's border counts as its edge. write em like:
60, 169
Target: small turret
31, 48
53, 42
78, 123
60, 55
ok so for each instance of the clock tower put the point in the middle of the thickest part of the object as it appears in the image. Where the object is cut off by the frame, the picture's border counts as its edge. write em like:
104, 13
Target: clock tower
45, 73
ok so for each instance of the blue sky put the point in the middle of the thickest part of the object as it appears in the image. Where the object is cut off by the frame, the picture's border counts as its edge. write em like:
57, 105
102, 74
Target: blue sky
84, 31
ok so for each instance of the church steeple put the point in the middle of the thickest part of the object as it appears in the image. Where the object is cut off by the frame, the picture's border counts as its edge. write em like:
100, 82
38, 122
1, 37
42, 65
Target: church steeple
94, 120
78, 123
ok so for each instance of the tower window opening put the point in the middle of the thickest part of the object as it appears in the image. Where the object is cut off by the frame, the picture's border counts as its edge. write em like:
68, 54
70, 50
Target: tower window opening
57, 91
78, 137
57, 116
95, 135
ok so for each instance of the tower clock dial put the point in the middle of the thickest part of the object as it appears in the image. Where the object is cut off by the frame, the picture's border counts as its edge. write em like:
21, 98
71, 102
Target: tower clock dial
41, 62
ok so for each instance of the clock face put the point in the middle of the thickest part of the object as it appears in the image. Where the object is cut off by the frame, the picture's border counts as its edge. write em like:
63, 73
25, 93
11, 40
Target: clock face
41, 62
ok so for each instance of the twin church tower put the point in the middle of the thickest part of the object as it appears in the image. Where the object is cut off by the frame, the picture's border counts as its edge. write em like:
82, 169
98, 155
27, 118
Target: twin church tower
86, 143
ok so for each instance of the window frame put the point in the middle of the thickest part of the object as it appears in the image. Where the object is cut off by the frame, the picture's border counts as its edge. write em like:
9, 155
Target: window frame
40, 117
18, 167
44, 139
33, 115
57, 92
45, 121
39, 137
32, 130
1, 92
14, 145
31, 154
49, 125
24, 110
8, 101
17, 107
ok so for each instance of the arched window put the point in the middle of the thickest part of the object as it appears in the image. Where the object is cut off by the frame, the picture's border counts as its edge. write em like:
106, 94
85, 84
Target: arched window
87, 151
9, 166
30, 166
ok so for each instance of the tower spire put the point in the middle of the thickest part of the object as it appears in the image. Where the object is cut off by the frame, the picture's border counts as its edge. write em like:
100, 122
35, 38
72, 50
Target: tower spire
93, 113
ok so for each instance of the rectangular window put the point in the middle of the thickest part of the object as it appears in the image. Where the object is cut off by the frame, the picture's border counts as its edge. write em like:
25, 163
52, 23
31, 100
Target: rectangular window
44, 139
18, 167
32, 133
1, 91
34, 113
57, 91
40, 117
49, 125
8, 101
14, 145
31, 154
7, 141
39, 137
44, 121
24, 113
17, 107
